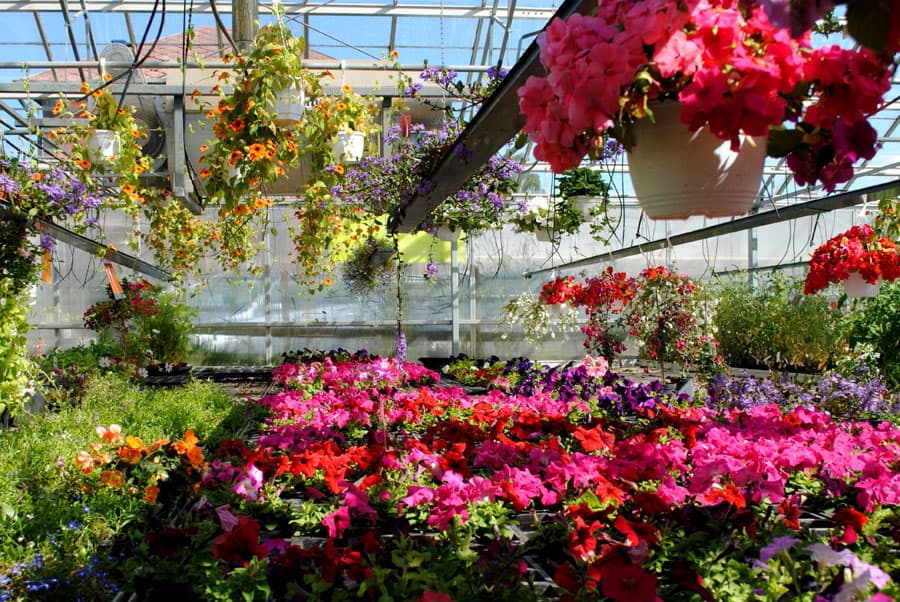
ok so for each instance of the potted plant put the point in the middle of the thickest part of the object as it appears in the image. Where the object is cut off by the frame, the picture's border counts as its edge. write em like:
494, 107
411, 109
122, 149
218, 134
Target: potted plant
165, 332
669, 318
855, 257
384, 185
603, 298
632, 68
348, 119
252, 145
584, 187
116, 319
370, 265
549, 221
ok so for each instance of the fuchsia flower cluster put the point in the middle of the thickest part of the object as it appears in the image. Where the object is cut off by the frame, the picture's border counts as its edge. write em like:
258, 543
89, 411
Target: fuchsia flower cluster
729, 67
378, 453
855, 250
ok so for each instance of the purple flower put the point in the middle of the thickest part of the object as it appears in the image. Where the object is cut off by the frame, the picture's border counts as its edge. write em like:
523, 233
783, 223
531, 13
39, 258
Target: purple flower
47, 242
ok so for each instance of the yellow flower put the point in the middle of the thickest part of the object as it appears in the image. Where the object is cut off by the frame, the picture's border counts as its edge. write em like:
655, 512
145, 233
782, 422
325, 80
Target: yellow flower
346, 88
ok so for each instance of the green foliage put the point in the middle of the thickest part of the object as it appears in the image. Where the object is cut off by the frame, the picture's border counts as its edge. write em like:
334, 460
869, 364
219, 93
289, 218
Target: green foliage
774, 325
872, 330
53, 529
165, 333
15, 367
582, 181
562, 217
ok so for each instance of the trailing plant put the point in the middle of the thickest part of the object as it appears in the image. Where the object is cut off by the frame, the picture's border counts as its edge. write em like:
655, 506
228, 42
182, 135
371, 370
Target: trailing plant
773, 325
370, 266
558, 217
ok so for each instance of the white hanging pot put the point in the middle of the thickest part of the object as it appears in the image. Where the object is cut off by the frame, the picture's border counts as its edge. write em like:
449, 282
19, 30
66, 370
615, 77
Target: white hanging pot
543, 235
446, 234
586, 203
677, 173
289, 105
349, 146
104, 144
856, 286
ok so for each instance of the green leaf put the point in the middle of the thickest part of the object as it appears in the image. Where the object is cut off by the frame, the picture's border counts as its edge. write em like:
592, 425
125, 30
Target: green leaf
781, 142
868, 21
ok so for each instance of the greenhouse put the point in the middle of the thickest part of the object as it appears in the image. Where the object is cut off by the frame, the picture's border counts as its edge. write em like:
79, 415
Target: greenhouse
450, 301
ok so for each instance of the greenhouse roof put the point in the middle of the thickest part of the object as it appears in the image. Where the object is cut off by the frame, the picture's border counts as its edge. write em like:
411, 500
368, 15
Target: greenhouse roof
54, 44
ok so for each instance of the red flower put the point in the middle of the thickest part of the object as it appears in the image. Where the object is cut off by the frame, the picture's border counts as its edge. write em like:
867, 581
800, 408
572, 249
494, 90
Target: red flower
240, 544
626, 582
853, 251
853, 522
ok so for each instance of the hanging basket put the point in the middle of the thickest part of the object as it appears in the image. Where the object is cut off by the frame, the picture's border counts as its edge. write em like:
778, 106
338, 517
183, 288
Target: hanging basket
586, 203
104, 144
856, 286
446, 234
349, 146
289, 106
677, 173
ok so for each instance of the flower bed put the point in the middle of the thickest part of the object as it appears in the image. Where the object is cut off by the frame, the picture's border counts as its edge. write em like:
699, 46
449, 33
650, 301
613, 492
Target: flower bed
366, 478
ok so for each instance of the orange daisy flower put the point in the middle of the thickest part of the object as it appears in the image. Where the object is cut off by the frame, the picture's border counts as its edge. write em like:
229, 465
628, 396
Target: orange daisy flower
58, 107
84, 163
257, 151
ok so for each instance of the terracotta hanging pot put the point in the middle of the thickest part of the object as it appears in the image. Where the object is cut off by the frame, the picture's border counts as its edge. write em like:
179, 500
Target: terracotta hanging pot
856, 286
677, 173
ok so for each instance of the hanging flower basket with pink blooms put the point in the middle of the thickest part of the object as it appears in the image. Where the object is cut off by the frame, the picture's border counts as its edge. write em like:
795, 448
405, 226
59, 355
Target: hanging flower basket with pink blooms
858, 254
734, 73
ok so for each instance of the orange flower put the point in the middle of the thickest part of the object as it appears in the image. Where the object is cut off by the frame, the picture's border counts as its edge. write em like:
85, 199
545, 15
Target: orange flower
328, 282
236, 155
205, 173
128, 189
85, 88
150, 494
131, 452
347, 88
85, 462
112, 478
395, 54
237, 125
107, 77
112, 435
259, 203
204, 148
97, 93
58, 107
340, 106
257, 151
84, 163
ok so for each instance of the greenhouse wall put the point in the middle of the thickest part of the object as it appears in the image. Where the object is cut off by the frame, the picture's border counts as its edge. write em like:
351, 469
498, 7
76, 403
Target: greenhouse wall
255, 318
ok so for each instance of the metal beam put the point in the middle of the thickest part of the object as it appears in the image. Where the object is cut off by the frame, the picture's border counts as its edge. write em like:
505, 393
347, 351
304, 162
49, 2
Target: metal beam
96, 248
823, 205
496, 123
323, 9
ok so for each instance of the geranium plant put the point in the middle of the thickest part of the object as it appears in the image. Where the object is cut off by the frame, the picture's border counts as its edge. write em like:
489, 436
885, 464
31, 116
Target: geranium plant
732, 71
857, 250
671, 319
603, 298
